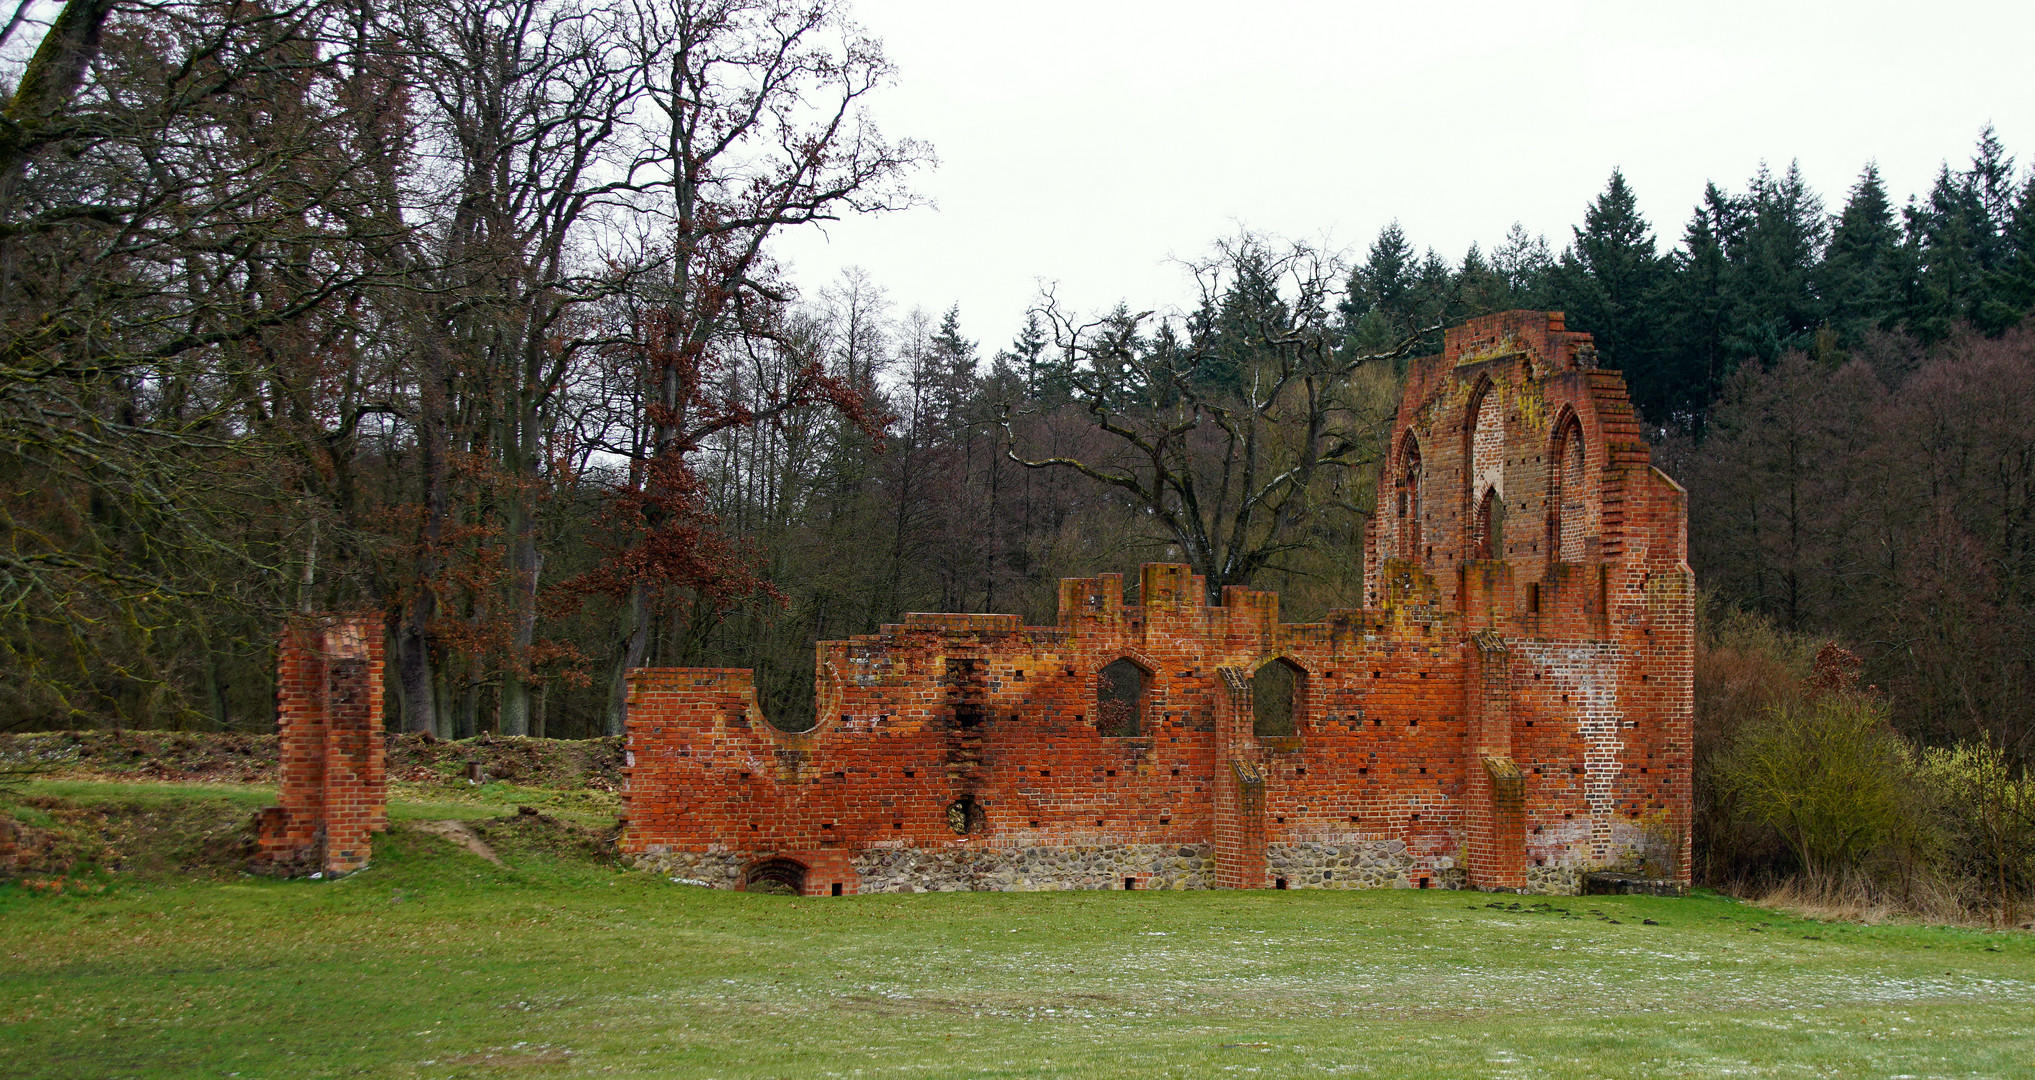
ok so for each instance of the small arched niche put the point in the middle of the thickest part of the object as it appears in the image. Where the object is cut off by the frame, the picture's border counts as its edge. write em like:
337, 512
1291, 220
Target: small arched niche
1277, 693
1487, 526
1120, 699
780, 877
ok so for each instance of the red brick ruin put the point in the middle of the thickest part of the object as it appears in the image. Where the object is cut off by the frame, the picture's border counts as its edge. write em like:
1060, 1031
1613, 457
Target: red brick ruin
329, 717
1511, 710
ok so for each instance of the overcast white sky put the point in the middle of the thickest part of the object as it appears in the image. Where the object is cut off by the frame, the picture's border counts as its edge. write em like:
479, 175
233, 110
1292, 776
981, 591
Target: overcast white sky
1089, 143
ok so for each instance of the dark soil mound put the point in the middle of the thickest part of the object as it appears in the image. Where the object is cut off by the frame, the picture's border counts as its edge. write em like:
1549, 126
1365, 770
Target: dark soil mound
154, 839
201, 756
529, 832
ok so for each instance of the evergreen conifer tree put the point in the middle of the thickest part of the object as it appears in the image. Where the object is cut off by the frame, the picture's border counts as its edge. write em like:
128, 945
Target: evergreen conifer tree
2012, 286
1480, 286
1777, 309
953, 361
1959, 236
1610, 283
1695, 360
1526, 265
1044, 378
1376, 311
1862, 277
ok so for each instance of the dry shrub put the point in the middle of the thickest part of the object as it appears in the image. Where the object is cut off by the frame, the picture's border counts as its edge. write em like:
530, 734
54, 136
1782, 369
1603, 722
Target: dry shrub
1986, 810
1808, 799
1745, 667
1833, 781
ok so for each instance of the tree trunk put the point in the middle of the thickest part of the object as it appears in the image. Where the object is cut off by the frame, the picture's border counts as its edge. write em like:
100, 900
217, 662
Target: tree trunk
413, 671
526, 562
519, 459
635, 642
413, 635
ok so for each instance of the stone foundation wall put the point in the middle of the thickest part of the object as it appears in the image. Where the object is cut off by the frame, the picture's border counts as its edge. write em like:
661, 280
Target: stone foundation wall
1037, 869
1014, 869
1554, 880
719, 871
1359, 864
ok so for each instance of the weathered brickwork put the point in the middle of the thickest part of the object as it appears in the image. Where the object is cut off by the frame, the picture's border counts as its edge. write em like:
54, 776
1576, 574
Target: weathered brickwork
333, 788
1510, 710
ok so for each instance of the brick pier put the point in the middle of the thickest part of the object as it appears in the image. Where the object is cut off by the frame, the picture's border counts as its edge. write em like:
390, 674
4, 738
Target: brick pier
333, 789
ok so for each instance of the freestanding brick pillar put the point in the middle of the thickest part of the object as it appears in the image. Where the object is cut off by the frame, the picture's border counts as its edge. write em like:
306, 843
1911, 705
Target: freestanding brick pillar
334, 784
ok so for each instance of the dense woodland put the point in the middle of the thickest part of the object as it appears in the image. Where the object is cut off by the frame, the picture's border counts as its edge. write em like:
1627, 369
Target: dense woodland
464, 312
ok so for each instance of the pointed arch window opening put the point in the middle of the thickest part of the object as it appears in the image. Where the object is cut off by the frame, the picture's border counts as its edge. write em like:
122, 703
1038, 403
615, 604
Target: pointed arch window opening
1120, 699
1409, 500
1488, 526
1278, 698
1569, 462
1484, 456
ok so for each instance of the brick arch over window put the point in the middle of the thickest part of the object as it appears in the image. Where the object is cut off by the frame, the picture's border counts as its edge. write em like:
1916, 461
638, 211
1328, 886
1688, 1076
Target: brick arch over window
1408, 484
1568, 505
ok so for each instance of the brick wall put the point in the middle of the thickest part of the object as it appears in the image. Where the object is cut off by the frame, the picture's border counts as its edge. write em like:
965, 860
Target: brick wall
333, 786
1504, 723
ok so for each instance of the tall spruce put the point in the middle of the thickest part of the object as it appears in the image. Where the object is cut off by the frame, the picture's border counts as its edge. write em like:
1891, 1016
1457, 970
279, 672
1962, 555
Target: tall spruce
1696, 358
2013, 283
1960, 239
1610, 283
1863, 276
1527, 266
1778, 310
1377, 308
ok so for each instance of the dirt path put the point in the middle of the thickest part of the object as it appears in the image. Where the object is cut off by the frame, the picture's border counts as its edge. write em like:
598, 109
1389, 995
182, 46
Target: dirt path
459, 833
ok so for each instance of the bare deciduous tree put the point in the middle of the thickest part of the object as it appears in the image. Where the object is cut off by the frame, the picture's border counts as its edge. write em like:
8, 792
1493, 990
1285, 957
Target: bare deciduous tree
1238, 438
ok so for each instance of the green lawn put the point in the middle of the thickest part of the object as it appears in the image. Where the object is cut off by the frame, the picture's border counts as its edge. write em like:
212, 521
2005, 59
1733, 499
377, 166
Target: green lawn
434, 963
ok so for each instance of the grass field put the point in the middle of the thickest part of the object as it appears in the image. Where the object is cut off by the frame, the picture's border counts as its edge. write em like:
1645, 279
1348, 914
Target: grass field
434, 963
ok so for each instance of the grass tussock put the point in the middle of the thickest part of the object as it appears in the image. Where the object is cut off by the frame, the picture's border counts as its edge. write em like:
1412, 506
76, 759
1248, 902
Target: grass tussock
1857, 901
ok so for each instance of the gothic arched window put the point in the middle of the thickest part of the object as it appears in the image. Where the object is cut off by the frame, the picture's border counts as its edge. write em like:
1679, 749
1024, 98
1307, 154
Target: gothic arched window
1276, 697
1487, 526
1485, 455
1570, 509
1409, 499
1120, 699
